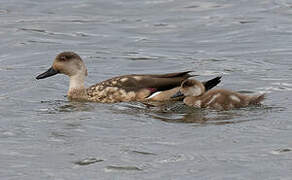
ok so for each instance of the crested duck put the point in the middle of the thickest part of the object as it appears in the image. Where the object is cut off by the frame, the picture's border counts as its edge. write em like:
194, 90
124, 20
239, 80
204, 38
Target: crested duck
219, 99
135, 87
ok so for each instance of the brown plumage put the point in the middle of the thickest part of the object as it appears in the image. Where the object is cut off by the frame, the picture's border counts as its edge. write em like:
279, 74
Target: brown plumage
135, 87
220, 99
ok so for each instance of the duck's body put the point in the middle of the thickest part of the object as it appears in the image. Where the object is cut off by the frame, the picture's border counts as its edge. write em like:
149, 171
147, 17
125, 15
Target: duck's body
137, 88
125, 88
219, 99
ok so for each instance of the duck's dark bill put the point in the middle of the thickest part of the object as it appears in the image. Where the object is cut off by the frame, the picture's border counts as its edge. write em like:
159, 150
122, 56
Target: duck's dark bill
178, 94
48, 73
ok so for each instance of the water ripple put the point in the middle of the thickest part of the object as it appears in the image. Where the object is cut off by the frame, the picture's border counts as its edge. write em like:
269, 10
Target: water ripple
87, 161
114, 168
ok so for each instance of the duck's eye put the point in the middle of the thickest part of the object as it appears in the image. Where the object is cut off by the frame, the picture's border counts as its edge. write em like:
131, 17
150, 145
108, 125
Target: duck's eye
63, 58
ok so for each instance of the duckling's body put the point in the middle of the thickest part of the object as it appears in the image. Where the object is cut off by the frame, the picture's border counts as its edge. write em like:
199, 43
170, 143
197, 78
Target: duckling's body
125, 88
219, 99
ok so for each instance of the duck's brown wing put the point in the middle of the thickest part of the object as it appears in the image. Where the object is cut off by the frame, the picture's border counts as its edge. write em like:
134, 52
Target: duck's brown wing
168, 81
159, 82
171, 75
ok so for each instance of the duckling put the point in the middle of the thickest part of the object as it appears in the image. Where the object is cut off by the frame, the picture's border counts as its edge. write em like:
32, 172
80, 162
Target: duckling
135, 87
219, 99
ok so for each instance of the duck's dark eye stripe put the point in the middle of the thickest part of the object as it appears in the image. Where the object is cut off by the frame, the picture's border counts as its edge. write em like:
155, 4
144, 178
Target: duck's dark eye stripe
62, 58
65, 58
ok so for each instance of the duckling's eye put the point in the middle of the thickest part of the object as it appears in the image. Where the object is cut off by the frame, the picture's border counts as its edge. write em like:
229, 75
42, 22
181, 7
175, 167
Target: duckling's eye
187, 84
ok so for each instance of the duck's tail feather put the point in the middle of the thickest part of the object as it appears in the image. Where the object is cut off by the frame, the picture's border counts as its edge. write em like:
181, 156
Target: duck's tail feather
212, 83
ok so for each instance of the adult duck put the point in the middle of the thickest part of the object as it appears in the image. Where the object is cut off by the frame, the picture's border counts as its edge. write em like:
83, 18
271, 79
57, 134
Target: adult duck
135, 87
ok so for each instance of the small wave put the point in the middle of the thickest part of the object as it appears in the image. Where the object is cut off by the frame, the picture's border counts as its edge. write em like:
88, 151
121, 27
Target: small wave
4, 11
57, 106
37, 41
88, 161
122, 168
281, 151
203, 6
280, 87
143, 153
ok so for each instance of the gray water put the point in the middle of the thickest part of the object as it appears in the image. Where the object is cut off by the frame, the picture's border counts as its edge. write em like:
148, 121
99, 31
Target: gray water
44, 136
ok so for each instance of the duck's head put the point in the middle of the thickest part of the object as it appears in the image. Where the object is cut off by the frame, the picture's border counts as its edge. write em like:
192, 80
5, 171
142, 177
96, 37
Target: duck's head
68, 63
190, 87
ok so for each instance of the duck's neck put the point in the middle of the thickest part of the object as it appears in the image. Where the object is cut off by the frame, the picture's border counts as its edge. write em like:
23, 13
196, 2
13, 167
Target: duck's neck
77, 89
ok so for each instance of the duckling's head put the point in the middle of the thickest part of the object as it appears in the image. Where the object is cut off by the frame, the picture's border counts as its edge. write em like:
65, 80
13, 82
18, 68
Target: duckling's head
190, 87
68, 63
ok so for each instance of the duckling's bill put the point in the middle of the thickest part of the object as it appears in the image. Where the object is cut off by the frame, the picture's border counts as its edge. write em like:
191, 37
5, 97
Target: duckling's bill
178, 94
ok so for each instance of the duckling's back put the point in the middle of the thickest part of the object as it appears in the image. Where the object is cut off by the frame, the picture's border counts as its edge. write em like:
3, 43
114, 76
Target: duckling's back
222, 99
